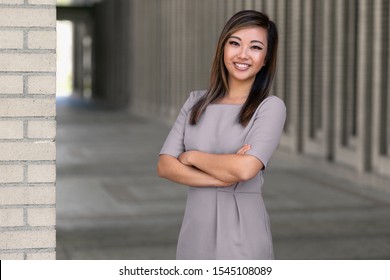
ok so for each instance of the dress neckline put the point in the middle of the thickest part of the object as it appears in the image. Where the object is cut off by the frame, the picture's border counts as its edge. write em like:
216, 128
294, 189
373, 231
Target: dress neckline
225, 104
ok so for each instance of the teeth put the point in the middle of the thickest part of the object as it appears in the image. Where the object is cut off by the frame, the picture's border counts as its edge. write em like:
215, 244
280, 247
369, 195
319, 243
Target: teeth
241, 65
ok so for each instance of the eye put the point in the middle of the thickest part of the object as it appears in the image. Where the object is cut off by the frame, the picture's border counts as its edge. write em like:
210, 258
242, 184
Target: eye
257, 48
234, 43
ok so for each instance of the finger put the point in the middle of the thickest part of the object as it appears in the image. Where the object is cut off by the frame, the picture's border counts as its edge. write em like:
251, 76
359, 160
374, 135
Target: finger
243, 149
247, 147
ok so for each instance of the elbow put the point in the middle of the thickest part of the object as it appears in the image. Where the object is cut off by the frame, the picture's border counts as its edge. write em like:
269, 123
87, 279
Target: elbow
249, 169
161, 170
246, 175
164, 166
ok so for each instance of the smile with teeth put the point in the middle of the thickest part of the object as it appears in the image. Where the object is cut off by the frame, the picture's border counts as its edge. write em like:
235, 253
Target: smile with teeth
241, 66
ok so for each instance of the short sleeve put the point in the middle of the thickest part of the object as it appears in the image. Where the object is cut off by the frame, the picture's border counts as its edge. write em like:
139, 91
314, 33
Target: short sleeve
266, 130
174, 144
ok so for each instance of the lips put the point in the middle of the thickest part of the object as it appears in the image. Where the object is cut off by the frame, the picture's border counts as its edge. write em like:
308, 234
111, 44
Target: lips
241, 66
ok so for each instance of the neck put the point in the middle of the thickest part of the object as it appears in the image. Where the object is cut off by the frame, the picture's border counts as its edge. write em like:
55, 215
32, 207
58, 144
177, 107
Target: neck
239, 90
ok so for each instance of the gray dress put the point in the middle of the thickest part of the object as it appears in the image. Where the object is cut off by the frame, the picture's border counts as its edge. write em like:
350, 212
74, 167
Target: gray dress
229, 222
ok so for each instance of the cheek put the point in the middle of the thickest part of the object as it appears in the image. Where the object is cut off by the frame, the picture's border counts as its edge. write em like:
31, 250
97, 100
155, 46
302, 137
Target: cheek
227, 54
260, 59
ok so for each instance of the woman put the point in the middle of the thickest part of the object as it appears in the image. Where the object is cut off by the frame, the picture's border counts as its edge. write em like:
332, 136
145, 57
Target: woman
221, 143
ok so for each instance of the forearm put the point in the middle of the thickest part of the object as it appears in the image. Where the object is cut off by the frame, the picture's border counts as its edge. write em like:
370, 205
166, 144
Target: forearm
172, 169
226, 167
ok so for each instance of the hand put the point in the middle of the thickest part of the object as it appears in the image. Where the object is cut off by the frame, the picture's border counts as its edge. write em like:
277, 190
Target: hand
184, 158
244, 149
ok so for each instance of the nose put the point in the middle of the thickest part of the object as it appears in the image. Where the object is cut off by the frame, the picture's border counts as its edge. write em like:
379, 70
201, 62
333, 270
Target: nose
243, 54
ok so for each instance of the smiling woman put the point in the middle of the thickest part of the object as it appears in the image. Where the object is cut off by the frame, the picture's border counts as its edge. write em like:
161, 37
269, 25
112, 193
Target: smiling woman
244, 56
221, 143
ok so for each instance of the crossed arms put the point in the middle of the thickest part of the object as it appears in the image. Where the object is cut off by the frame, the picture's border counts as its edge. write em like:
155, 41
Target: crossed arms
199, 169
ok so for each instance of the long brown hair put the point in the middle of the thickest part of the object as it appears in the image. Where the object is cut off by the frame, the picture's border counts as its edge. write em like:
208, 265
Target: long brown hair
219, 74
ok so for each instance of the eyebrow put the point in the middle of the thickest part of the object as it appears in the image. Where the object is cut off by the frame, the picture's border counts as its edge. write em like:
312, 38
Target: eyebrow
253, 41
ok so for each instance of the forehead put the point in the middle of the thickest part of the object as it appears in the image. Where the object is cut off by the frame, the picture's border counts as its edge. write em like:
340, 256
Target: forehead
252, 33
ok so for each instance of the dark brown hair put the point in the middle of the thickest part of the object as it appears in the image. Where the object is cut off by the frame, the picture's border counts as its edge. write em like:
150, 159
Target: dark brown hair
219, 74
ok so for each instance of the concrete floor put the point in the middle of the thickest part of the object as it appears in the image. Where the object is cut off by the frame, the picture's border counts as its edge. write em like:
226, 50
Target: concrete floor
112, 205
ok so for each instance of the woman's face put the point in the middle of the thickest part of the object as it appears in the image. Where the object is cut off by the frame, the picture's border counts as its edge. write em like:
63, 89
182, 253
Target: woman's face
244, 54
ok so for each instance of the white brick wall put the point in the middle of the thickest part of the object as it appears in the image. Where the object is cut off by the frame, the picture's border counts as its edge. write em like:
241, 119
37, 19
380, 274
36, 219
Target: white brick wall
27, 107
11, 173
42, 85
11, 217
41, 216
11, 84
41, 256
41, 173
27, 17
27, 129
11, 1
11, 129
11, 40
32, 62
27, 239
42, 40
11, 256
27, 195
42, 2
41, 129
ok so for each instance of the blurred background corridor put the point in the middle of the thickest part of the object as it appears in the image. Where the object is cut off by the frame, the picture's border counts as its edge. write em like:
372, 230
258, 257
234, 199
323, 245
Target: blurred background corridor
125, 67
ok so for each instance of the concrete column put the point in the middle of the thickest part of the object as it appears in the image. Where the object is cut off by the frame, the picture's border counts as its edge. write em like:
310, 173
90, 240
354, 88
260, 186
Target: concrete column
230, 8
293, 93
112, 51
248, 4
364, 85
78, 35
280, 16
307, 69
27, 129
341, 76
258, 5
380, 70
328, 67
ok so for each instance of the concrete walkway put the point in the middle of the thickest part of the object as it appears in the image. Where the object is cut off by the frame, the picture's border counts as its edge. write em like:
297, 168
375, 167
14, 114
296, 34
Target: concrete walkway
112, 205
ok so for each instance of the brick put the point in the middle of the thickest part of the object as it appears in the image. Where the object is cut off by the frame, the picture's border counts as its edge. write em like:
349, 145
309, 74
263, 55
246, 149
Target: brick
41, 217
11, 1
42, 85
42, 129
11, 217
27, 107
11, 129
41, 173
27, 195
42, 40
41, 256
11, 173
42, 150
11, 39
28, 17
27, 62
42, 2
11, 256
27, 239
11, 85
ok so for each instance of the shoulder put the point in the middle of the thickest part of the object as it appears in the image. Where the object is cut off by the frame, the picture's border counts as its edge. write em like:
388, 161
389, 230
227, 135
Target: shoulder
271, 105
195, 96
274, 102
